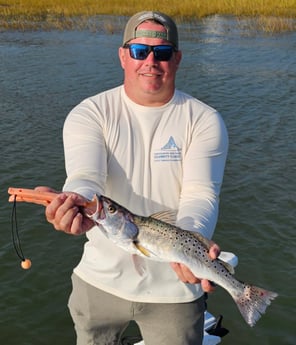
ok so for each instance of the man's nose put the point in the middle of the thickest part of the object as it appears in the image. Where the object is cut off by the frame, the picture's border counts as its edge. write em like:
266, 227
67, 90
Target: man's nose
150, 59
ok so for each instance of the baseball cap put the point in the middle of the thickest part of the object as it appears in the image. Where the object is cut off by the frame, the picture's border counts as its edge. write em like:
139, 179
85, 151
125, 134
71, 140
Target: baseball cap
131, 31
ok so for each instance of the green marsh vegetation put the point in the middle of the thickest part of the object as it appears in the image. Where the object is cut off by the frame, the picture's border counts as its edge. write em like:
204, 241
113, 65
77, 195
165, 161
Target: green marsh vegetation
261, 15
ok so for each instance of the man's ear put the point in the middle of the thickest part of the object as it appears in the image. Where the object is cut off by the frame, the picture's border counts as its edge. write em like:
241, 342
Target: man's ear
178, 58
122, 56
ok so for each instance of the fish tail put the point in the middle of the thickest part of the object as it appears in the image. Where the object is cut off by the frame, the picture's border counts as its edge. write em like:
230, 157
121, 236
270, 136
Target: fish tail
252, 302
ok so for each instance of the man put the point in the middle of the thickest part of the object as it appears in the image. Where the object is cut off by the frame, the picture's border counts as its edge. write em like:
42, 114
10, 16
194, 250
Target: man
150, 148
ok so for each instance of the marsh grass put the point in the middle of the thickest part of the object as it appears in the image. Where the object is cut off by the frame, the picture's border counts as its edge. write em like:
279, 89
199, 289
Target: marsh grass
270, 15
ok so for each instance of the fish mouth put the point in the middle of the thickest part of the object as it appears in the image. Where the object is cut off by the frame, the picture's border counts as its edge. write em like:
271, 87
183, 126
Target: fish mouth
100, 207
96, 209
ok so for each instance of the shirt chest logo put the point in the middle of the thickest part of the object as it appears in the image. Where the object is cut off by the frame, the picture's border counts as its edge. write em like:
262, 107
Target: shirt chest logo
170, 152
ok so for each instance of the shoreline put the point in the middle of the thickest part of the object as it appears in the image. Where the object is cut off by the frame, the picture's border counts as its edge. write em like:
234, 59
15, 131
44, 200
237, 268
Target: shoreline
111, 24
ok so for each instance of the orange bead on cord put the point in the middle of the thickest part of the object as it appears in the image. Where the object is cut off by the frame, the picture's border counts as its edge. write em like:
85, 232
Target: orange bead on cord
26, 264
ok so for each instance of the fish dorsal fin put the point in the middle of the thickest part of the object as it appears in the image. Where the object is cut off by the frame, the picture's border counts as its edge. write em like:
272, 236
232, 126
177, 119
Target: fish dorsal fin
168, 216
229, 267
206, 242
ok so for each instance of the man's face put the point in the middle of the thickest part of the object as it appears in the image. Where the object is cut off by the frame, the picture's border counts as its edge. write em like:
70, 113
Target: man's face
149, 82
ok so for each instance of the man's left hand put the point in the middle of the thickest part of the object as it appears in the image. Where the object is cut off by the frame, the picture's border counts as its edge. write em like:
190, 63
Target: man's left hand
186, 276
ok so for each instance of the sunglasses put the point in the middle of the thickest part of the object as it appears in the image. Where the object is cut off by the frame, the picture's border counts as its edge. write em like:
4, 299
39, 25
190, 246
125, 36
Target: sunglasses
141, 51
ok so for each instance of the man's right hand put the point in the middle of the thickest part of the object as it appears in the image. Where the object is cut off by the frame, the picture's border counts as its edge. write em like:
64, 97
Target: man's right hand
64, 212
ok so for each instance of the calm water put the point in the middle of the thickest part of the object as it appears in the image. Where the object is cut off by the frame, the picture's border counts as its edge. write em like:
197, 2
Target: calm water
251, 79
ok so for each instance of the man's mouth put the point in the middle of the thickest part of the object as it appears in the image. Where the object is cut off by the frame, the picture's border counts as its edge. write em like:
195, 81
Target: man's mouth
151, 75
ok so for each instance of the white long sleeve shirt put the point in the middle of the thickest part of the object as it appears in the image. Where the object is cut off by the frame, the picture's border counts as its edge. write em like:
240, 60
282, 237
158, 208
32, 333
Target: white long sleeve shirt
148, 159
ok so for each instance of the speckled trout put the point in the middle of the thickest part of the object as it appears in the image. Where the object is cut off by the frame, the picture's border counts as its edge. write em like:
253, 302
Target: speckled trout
159, 240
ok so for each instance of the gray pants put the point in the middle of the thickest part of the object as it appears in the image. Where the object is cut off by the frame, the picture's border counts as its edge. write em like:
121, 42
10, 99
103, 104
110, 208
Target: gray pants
101, 318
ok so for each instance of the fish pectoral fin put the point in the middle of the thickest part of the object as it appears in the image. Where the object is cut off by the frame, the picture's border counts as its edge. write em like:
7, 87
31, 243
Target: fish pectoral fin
143, 250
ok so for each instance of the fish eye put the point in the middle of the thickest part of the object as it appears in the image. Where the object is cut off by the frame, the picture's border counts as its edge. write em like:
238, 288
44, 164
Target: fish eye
111, 209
